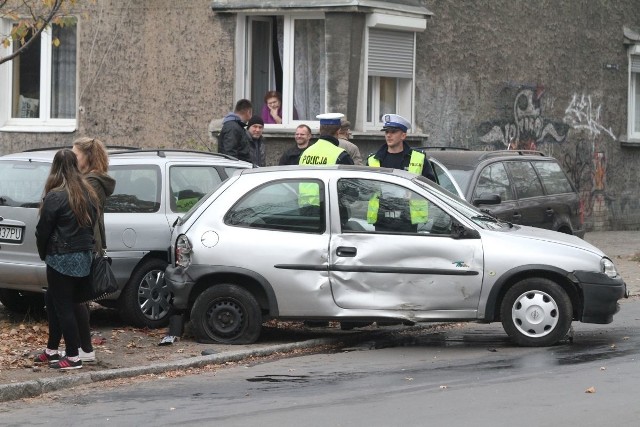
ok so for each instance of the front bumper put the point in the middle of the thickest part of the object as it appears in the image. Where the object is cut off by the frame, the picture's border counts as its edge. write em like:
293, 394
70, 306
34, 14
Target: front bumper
180, 284
600, 296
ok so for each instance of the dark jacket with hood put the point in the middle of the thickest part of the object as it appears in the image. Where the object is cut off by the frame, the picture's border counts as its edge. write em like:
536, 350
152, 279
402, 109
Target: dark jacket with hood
233, 139
58, 230
103, 185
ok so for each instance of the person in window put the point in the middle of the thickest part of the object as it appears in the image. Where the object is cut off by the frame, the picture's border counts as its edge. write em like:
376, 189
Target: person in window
303, 139
343, 139
93, 162
233, 139
272, 108
398, 212
256, 143
64, 238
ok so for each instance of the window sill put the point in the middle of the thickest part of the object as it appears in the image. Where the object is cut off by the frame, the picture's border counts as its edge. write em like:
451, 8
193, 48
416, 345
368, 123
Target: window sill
40, 128
629, 142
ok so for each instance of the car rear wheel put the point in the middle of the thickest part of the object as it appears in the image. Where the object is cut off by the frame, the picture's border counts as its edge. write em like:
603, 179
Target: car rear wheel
226, 314
146, 299
23, 302
536, 312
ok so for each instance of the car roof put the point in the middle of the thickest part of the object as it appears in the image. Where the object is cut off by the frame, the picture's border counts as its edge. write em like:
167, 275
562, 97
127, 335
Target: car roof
328, 169
462, 159
117, 153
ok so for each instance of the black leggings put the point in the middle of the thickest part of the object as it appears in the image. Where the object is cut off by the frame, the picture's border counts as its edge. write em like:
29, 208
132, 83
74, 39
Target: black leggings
61, 310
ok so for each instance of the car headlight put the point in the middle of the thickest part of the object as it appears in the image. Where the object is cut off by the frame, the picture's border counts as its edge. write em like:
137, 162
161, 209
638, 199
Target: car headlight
183, 251
608, 267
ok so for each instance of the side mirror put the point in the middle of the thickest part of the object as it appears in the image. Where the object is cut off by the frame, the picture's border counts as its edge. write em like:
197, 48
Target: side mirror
487, 199
459, 231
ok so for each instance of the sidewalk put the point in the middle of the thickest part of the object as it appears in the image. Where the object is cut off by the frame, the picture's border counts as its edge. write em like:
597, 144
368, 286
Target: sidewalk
623, 247
129, 352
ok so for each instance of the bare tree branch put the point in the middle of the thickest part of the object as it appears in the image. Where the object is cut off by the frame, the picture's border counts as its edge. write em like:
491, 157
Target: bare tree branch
39, 23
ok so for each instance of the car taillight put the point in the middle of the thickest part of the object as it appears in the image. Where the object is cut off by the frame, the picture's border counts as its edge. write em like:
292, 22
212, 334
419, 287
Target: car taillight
183, 251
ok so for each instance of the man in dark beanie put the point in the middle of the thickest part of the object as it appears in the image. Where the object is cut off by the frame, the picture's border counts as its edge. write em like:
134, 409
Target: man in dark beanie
256, 145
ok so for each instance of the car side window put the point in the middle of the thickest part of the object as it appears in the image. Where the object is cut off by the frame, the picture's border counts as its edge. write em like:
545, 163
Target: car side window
494, 180
189, 184
288, 205
22, 183
380, 207
553, 178
137, 189
525, 179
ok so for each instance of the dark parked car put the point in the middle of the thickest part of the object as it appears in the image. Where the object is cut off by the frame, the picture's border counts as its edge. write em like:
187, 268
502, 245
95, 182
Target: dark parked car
522, 187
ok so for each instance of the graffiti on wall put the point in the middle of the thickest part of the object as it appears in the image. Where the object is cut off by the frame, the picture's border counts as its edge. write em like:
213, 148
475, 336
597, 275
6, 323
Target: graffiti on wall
580, 114
587, 164
526, 127
578, 140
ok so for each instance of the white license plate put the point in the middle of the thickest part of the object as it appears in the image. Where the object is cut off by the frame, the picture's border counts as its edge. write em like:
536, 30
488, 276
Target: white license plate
10, 234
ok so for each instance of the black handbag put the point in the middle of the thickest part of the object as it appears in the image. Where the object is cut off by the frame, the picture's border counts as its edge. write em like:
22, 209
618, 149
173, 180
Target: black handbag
101, 281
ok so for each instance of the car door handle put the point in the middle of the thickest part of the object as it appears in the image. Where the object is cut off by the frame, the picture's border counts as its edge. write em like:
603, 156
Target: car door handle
549, 212
346, 251
516, 215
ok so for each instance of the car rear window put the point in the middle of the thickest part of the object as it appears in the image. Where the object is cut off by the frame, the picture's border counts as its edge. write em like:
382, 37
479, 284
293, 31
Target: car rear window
22, 183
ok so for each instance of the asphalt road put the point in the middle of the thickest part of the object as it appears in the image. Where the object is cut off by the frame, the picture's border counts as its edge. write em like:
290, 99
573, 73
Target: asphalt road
467, 375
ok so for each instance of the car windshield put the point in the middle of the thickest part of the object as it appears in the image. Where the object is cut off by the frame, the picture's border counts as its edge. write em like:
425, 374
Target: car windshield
462, 177
481, 218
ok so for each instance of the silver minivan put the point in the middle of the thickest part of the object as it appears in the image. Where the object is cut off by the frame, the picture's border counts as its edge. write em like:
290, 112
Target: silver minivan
153, 188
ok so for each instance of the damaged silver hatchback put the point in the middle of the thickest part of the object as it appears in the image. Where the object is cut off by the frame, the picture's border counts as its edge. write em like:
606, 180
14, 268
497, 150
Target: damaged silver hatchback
355, 244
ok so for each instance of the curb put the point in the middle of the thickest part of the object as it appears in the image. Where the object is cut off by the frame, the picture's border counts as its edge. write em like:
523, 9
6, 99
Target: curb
14, 391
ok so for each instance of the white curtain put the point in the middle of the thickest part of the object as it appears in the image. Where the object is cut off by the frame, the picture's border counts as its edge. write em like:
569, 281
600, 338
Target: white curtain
63, 73
309, 68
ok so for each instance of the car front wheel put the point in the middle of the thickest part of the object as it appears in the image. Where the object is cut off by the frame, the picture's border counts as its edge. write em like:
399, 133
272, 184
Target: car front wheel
536, 312
146, 299
226, 314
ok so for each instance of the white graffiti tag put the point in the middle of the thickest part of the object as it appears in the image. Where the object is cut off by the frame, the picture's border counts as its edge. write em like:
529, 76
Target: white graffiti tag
580, 114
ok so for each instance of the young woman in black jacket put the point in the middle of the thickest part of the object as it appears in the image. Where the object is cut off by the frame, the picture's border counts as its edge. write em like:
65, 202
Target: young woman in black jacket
64, 236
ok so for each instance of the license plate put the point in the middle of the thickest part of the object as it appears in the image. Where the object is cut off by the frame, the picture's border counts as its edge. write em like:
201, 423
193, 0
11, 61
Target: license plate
10, 234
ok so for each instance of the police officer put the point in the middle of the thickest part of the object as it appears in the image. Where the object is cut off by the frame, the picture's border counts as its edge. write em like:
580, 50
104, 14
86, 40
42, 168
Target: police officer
396, 153
326, 150
398, 214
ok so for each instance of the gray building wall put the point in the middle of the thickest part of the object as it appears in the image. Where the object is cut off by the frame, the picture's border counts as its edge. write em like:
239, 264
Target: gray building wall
154, 73
494, 72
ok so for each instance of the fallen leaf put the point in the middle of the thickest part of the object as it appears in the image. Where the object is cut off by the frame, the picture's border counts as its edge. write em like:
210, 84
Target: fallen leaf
443, 387
602, 368
590, 390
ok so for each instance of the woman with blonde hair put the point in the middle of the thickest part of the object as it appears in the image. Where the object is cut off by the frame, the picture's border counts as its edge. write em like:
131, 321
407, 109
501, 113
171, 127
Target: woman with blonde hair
93, 162
64, 237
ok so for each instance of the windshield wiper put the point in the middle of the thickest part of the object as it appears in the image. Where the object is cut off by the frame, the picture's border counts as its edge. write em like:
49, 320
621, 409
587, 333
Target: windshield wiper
487, 218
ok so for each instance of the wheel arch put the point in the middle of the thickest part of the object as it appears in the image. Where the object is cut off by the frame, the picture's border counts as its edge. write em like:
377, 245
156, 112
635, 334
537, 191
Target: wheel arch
513, 276
251, 281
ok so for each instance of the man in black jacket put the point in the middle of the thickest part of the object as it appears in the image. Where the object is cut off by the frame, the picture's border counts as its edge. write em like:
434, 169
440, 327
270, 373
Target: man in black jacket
233, 139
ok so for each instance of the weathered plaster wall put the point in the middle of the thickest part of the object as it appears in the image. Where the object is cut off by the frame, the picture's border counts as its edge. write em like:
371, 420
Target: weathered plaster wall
532, 74
151, 74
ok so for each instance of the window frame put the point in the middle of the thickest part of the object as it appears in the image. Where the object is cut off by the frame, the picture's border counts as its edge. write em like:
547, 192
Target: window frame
633, 94
243, 64
405, 86
44, 123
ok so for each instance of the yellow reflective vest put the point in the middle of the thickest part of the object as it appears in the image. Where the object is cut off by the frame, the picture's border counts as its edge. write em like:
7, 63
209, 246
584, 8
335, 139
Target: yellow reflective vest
418, 209
323, 152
